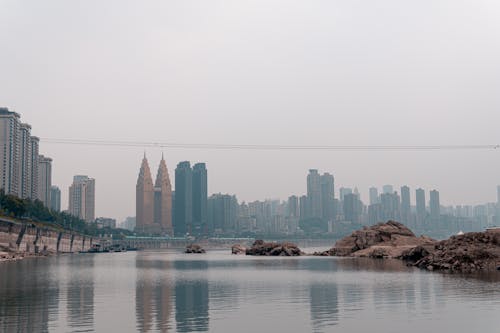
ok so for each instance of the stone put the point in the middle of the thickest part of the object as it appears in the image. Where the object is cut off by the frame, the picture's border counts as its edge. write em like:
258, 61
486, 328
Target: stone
261, 248
194, 248
238, 249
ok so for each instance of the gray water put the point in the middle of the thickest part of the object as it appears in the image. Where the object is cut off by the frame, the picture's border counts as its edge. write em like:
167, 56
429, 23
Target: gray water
168, 291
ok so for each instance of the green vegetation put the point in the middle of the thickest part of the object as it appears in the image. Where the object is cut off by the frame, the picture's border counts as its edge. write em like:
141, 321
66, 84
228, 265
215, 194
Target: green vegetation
34, 211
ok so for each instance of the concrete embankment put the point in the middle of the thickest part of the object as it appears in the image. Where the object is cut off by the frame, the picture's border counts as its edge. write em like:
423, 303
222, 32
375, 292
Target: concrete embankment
19, 239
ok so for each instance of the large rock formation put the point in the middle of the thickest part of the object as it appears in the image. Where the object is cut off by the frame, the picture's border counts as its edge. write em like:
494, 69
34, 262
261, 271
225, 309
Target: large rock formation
261, 248
469, 252
238, 249
194, 248
383, 240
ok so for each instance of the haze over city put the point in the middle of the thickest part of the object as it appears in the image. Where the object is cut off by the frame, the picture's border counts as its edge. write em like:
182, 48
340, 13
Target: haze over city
259, 72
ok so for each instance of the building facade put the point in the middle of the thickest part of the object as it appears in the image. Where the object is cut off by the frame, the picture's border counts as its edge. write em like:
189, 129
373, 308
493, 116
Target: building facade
183, 199
82, 198
55, 199
200, 197
44, 179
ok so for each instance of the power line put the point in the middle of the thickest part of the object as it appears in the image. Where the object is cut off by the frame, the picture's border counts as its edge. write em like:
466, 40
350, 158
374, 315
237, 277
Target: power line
223, 146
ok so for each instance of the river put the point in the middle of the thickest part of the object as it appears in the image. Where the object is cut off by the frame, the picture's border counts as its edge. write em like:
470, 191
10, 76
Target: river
168, 291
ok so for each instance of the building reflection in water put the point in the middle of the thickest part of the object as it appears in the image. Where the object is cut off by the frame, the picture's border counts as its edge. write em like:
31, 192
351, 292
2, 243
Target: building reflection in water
191, 298
153, 296
28, 299
80, 294
324, 305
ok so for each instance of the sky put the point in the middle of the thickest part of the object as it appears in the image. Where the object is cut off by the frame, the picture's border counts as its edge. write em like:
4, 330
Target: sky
285, 72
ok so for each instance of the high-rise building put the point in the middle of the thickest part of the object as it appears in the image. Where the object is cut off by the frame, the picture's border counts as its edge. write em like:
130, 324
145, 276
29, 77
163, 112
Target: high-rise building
327, 197
82, 198
183, 199
222, 213
44, 179
405, 205
391, 206
35, 144
434, 205
144, 198
314, 193
374, 199
162, 216
55, 199
200, 197
387, 189
352, 208
304, 207
420, 201
343, 192
9, 151
293, 208
25, 167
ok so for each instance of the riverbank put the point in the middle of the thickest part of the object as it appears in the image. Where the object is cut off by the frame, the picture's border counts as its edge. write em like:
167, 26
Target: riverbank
21, 239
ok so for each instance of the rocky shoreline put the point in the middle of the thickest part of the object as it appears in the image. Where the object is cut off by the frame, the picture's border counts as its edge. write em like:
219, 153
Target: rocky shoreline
471, 252
275, 249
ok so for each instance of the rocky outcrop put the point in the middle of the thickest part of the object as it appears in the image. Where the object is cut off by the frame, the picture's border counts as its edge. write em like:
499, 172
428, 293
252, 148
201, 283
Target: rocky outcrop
475, 251
261, 248
238, 249
383, 240
194, 248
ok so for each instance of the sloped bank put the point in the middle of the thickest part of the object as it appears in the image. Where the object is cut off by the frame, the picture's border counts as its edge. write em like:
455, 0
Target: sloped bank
465, 253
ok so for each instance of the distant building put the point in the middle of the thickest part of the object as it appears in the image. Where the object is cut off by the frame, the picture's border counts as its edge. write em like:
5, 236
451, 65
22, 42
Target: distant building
314, 193
55, 199
44, 179
105, 222
434, 205
374, 199
327, 197
129, 223
343, 191
420, 201
82, 198
35, 144
162, 217
352, 208
293, 208
183, 199
200, 197
387, 189
222, 213
391, 206
153, 202
405, 205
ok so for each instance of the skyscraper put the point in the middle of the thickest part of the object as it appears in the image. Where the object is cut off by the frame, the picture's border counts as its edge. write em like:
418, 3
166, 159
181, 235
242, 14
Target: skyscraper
55, 199
162, 201
44, 179
200, 197
293, 208
82, 198
327, 197
374, 199
352, 208
387, 189
183, 199
144, 198
25, 167
35, 144
391, 206
420, 200
9, 151
405, 205
434, 205
314, 193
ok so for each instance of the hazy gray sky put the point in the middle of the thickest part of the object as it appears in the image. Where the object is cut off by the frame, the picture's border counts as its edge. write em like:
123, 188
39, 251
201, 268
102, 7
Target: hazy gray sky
357, 72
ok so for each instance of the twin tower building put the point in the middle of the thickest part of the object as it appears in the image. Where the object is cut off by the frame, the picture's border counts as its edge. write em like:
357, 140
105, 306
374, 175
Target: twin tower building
159, 210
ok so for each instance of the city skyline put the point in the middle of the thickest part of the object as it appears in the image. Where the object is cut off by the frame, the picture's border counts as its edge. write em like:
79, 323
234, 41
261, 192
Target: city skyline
333, 79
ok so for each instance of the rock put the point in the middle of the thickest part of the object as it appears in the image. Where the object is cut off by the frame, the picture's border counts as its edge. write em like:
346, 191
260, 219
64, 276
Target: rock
237, 249
383, 240
261, 248
466, 253
194, 248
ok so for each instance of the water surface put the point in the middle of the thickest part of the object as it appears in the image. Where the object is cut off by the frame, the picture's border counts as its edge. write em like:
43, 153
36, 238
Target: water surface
168, 291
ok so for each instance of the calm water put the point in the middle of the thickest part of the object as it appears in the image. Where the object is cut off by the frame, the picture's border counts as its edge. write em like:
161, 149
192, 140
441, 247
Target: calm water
217, 292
